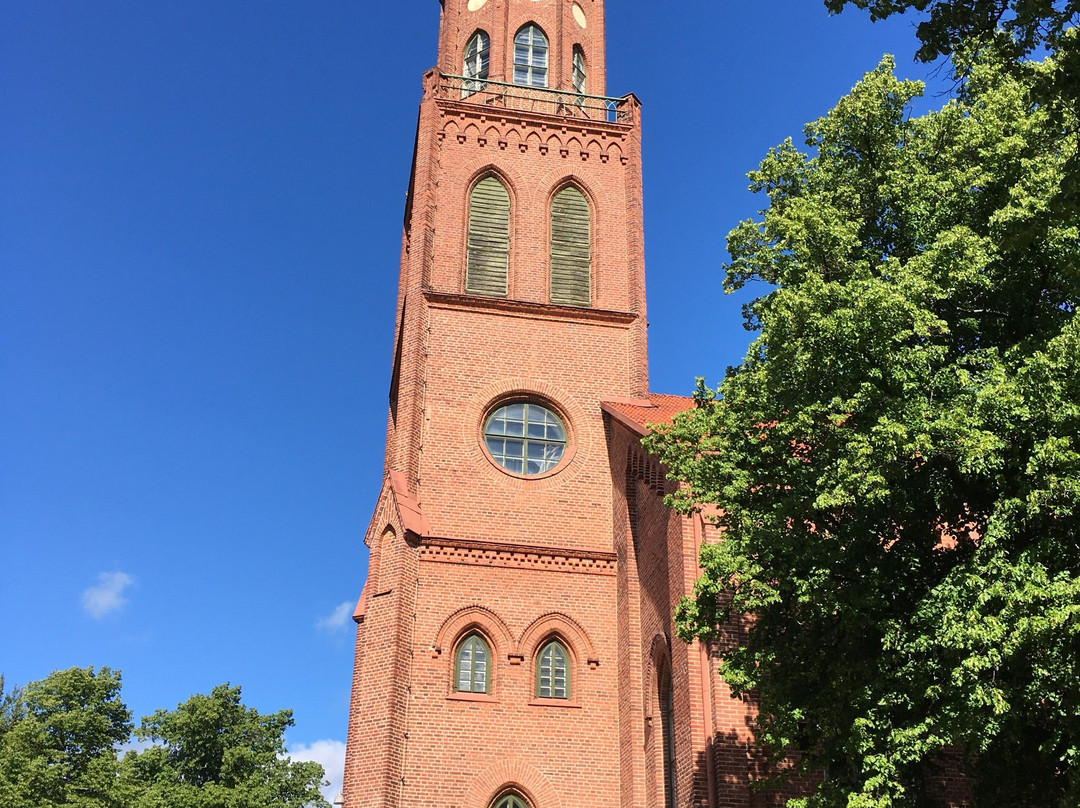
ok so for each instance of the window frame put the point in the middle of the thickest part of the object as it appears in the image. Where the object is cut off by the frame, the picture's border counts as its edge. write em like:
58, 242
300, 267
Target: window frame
475, 82
511, 798
579, 64
536, 61
552, 643
500, 459
472, 638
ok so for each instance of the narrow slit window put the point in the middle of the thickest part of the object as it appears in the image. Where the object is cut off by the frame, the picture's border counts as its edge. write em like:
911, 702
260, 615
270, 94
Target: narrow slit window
477, 62
531, 56
489, 239
471, 665
553, 672
571, 248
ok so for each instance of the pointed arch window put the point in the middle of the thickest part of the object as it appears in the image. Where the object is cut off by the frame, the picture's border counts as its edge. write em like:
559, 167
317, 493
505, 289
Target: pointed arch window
553, 671
667, 728
489, 239
531, 56
477, 63
571, 248
579, 75
471, 665
510, 799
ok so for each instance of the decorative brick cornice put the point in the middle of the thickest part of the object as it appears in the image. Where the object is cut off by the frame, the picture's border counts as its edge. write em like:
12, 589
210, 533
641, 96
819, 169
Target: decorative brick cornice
516, 556
469, 110
540, 311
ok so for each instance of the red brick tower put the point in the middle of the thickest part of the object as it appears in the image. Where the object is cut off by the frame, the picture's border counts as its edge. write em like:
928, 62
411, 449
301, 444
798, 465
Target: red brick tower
508, 653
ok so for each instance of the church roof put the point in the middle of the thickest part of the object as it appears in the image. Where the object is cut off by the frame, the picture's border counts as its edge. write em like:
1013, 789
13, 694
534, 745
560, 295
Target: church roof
637, 413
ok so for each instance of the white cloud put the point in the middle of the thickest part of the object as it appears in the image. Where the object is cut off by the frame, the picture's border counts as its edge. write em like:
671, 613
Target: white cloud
331, 754
108, 595
337, 619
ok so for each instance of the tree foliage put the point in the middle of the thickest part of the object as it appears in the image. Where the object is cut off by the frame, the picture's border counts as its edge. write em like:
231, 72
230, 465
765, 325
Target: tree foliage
213, 752
1022, 26
60, 741
896, 463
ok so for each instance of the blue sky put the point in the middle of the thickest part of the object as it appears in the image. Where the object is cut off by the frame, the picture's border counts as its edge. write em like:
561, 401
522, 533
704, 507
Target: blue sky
200, 213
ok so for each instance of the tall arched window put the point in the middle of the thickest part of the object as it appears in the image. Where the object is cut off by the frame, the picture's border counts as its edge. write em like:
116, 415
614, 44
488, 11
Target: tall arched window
477, 61
571, 248
553, 672
531, 56
471, 665
511, 799
580, 83
667, 729
489, 239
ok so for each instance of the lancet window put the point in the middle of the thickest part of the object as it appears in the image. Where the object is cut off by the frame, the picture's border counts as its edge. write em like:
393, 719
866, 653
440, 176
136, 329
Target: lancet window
571, 248
553, 672
531, 56
471, 665
489, 239
477, 63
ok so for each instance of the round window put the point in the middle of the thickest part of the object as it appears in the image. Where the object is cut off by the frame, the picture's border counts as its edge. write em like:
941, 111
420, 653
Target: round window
525, 438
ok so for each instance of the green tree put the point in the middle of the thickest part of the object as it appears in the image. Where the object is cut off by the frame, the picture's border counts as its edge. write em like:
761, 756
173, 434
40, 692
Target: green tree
1022, 26
896, 463
58, 741
213, 752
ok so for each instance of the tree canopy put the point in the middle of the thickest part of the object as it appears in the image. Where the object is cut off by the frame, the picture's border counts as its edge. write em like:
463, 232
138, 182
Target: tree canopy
60, 742
952, 25
896, 463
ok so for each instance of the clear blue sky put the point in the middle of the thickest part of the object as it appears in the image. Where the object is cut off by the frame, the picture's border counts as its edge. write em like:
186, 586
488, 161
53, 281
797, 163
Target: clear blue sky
200, 212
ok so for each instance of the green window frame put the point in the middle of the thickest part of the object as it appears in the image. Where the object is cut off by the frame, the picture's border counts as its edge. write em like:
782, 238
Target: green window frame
472, 665
553, 671
510, 799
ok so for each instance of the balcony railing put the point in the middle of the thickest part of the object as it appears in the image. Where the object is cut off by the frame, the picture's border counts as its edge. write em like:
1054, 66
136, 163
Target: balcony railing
535, 99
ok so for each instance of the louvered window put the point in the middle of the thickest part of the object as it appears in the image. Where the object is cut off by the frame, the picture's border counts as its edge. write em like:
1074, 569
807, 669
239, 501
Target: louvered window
489, 239
531, 56
471, 665
553, 672
477, 61
571, 248
580, 83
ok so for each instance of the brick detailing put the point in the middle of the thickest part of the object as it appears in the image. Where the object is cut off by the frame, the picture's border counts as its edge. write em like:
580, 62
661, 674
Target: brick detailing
514, 773
486, 554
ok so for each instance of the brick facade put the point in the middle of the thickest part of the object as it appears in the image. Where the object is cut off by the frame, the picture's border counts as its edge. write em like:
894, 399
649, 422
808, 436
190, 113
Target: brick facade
586, 552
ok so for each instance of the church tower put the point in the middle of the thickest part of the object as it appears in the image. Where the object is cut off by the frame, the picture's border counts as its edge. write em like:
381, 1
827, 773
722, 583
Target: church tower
504, 655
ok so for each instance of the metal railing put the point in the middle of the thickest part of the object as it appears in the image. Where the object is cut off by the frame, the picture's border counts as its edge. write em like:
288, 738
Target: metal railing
535, 99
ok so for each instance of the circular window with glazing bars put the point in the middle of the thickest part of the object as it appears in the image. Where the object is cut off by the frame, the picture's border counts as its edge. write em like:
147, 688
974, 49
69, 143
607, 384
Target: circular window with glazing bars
525, 437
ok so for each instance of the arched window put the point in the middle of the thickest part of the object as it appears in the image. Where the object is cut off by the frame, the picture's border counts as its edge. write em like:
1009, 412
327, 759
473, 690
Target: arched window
571, 248
580, 83
471, 665
531, 56
667, 729
489, 239
553, 672
477, 61
511, 799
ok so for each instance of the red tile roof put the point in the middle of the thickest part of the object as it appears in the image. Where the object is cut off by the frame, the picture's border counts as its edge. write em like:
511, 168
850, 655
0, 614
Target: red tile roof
636, 413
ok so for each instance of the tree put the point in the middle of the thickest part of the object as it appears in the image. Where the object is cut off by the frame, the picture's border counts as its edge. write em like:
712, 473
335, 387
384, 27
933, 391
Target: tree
952, 25
213, 752
896, 463
58, 741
